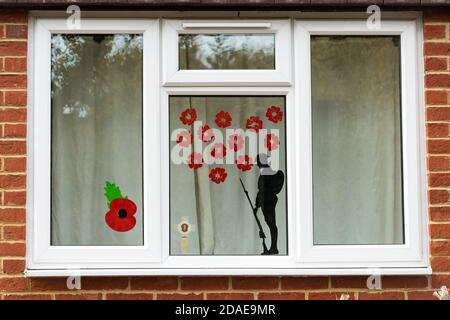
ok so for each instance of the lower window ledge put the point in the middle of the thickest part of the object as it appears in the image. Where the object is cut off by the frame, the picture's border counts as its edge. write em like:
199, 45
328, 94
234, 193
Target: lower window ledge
228, 272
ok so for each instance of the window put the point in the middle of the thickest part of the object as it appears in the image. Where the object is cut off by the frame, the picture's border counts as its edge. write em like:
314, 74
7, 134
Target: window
96, 139
92, 133
213, 159
356, 140
208, 193
228, 53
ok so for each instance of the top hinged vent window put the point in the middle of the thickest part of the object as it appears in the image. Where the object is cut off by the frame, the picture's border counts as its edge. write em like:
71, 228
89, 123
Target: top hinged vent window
226, 53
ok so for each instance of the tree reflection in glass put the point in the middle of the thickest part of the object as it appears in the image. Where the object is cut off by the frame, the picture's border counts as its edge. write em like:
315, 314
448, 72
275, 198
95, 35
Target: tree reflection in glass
226, 51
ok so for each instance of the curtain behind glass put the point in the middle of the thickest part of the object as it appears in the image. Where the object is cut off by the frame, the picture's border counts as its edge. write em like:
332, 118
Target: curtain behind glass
356, 140
96, 135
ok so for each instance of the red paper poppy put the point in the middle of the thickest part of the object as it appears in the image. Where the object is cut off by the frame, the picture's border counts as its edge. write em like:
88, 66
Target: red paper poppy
195, 160
244, 163
188, 116
274, 114
120, 216
184, 138
218, 151
235, 142
218, 175
271, 141
223, 119
254, 123
205, 133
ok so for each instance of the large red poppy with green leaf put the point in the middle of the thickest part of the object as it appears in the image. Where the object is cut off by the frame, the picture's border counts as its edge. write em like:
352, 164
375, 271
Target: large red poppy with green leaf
122, 211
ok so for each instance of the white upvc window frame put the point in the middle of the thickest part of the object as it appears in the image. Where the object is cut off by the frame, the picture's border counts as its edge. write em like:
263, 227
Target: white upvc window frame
414, 252
161, 80
280, 76
40, 253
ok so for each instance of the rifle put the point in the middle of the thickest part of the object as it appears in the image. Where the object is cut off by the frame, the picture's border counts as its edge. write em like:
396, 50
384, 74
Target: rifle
255, 210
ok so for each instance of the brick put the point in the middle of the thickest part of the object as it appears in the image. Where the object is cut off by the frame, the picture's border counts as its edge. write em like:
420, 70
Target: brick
437, 80
13, 115
15, 98
438, 280
12, 48
438, 114
13, 284
433, 97
15, 164
12, 249
255, 283
20, 64
440, 264
434, 31
104, 283
204, 283
14, 130
230, 296
14, 232
13, 266
434, 129
440, 248
179, 296
438, 163
12, 181
381, 296
439, 213
78, 296
12, 215
435, 196
130, 296
27, 297
304, 283
13, 81
436, 16
281, 296
404, 282
328, 295
440, 231
14, 198
51, 283
431, 64
437, 49
13, 147
421, 295
439, 179
154, 283
15, 16
438, 146
349, 282
19, 31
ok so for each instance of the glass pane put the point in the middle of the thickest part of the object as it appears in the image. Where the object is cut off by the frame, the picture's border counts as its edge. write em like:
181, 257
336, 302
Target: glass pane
216, 142
226, 51
357, 170
96, 140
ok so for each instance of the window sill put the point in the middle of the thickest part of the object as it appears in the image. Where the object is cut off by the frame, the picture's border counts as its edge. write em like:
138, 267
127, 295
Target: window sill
217, 272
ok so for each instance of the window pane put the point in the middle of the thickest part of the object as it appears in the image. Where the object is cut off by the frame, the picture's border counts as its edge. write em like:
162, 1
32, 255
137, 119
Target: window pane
226, 51
357, 170
97, 140
214, 144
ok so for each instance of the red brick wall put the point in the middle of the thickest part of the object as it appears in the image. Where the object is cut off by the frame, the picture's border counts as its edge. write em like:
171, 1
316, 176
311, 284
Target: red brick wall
13, 284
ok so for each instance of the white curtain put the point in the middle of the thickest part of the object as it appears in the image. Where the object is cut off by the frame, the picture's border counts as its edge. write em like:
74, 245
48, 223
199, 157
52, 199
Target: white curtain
220, 213
356, 140
96, 135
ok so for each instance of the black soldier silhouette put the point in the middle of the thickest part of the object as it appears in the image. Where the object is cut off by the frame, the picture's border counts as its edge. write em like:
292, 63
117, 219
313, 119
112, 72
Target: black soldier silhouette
270, 183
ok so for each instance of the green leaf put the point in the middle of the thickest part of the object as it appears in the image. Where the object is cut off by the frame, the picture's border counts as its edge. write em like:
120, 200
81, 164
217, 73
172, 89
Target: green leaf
112, 192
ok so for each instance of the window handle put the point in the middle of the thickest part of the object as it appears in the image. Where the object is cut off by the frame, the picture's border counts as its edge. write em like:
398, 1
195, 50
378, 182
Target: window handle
225, 25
